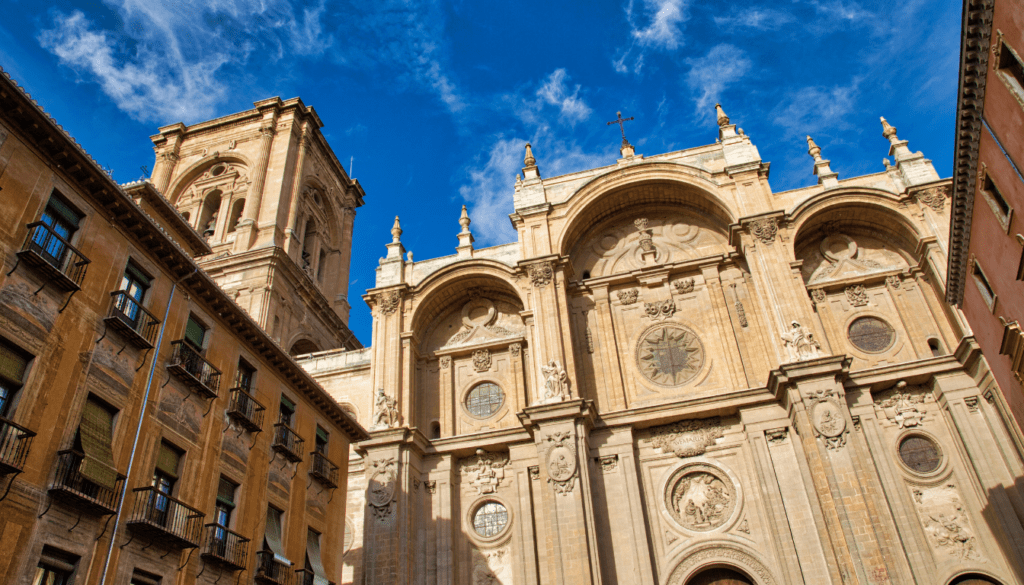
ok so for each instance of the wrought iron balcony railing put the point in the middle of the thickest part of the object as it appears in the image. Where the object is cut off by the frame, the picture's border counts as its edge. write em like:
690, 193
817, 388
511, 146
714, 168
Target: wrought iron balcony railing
15, 442
270, 571
164, 518
193, 369
306, 577
246, 411
132, 320
71, 486
225, 547
323, 470
287, 442
54, 256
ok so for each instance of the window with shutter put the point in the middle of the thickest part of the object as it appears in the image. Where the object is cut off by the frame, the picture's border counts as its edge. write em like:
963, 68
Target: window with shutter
321, 440
272, 537
313, 561
287, 411
195, 333
96, 434
13, 364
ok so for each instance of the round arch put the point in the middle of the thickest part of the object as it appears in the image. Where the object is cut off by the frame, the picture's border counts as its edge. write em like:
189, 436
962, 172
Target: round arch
973, 577
175, 188
441, 289
721, 554
302, 346
871, 209
647, 183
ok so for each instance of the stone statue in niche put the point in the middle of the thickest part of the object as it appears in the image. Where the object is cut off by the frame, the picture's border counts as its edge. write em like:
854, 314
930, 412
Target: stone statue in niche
800, 343
385, 411
556, 383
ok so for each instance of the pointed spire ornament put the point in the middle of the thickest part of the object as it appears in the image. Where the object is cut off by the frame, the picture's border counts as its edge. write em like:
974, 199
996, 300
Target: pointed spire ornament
464, 220
723, 120
465, 247
813, 149
888, 130
396, 232
529, 160
826, 177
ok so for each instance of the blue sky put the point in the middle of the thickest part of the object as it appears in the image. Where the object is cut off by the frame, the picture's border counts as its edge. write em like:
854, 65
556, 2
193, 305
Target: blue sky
435, 100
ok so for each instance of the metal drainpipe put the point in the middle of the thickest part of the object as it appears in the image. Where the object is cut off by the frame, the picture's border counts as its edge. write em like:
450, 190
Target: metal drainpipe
138, 428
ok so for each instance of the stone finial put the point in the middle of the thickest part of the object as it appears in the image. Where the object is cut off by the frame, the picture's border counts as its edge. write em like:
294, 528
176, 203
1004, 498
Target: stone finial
723, 120
529, 160
464, 220
889, 131
886, 163
465, 247
813, 149
396, 232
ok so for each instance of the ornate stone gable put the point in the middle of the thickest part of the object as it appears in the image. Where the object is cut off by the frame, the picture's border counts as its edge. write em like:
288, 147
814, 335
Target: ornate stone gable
686, 438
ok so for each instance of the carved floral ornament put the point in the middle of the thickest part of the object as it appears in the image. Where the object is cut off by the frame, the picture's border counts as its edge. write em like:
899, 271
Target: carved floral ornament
684, 285
660, 310
934, 197
561, 462
540, 274
387, 301
764, 229
686, 438
628, 296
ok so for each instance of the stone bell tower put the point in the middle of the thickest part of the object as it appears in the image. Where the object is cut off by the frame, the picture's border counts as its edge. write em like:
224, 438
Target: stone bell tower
268, 194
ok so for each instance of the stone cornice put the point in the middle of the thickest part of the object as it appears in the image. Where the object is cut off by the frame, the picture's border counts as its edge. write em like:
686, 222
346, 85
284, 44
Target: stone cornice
974, 56
67, 157
169, 214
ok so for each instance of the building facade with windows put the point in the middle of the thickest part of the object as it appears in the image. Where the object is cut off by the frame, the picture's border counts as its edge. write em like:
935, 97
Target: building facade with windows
151, 431
986, 258
677, 376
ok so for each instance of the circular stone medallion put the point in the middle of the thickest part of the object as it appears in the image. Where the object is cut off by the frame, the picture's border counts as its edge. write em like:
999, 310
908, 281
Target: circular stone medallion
561, 463
669, 355
700, 497
828, 419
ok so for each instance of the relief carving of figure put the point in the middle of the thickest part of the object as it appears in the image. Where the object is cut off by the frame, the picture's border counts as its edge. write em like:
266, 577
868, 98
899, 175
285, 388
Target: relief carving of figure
556, 383
701, 501
385, 411
903, 407
800, 343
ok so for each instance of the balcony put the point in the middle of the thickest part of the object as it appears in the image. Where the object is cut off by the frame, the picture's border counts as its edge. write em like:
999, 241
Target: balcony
246, 411
270, 571
287, 442
307, 577
55, 257
224, 547
192, 369
130, 319
15, 442
77, 491
323, 470
165, 519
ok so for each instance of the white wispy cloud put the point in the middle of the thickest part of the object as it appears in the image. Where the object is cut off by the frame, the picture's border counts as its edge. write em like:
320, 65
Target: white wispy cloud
166, 61
659, 28
815, 109
556, 92
759, 18
711, 74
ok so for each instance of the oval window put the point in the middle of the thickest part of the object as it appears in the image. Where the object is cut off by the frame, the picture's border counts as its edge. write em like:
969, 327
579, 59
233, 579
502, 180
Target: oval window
484, 400
490, 519
218, 170
920, 454
871, 334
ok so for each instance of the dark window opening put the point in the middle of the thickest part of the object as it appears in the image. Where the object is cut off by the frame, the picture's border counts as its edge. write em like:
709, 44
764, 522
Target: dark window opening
996, 195
935, 346
208, 216
1011, 65
983, 286
55, 567
13, 365
287, 412
225, 505
321, 266
140, 577
236, 214
435, 430
61, 223
321, 440
195, 333
586, 274
245, 376
134, 283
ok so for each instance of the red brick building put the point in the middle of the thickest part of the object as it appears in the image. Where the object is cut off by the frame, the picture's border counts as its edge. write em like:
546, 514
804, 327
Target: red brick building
986, 264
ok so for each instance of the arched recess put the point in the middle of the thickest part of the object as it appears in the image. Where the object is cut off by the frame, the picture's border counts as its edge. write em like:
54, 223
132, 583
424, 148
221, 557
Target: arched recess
470, 332
708, 555
720, 576
303, 346
196, 170
208, 213
973, 578
633, 189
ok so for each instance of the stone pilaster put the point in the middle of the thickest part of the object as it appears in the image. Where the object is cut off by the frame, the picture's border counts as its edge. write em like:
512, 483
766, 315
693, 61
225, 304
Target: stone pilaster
248, 227
570, 554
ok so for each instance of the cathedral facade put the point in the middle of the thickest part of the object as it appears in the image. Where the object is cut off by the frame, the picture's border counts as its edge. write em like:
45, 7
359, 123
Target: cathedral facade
678, 376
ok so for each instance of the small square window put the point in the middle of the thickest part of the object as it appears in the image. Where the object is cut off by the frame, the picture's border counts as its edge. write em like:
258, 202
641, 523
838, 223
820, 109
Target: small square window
994, 197
1010, 68
55, 567
983, 285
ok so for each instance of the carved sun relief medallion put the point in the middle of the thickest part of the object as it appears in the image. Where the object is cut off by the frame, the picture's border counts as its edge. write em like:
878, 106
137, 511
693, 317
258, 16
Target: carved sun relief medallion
700, 497
669, 355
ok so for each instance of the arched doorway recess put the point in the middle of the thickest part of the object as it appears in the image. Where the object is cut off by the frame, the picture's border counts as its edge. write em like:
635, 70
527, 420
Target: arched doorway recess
719, 576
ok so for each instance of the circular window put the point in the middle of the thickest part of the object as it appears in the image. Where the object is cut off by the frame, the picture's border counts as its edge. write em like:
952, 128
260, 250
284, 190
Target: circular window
669, 355
218, 170
490, 519
484, 400
920, 454
871, 334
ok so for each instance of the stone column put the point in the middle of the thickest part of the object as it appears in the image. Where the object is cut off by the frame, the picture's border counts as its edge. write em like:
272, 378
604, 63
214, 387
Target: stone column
248, 226
292, 240
565, 505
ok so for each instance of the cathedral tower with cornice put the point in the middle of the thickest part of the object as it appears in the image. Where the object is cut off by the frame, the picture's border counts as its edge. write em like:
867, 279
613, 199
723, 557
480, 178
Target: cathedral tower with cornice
276, 206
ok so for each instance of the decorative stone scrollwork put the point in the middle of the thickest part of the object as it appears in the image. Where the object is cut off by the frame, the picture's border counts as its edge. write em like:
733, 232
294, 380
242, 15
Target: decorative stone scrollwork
893, 281
445, 362
700, 497
482, 360
540, 274
706, 554
561, 462
608, 463
514, 349
660, 310
380, 489
534, 472
829, 423
686, 438
945, 521
800, 343
741, 312
387, 302
764, 229
684, 285
776, 436
646, 235
857, 296
903, 405
385, 411
485, 471
556, 383
818, 295
628, 296
934, 197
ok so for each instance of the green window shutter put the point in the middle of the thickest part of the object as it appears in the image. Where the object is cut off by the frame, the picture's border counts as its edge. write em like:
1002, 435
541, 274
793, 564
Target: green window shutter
194, 332
57, 208
321, 434
96, 431
12, 364
167, 460
226, 492
287, 404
